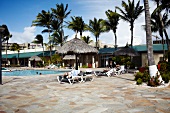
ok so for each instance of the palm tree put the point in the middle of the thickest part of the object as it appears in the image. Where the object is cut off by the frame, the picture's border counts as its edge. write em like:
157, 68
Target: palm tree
96, 28
112, 22
39, 40
156, 25
6, 37
61, 13
58, 39
130, 14
164, 5
163, 23
87, 39
77, 24
151, 61
44, 19
16, 47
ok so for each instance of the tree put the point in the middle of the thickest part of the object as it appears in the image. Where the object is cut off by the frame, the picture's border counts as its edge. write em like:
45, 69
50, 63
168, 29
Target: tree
96, 27
16, 47
77, 24
44, 19
151, 62
39, 40
61, 13
58, 39
130, 14
6, 37
112, 23
87, 39
156, 26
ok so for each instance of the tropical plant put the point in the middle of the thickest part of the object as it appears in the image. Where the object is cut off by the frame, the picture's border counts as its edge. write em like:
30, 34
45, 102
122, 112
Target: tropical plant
6, 37
77, 24
44, 19
112, 23
151, 61
96, 27
56, 59
87, 39
130, 14
16, 47
39, 40
164, 5
163, 20
58, 40
61, 13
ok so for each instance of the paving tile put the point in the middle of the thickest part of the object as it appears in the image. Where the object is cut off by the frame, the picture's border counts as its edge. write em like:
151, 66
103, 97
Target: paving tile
43, 94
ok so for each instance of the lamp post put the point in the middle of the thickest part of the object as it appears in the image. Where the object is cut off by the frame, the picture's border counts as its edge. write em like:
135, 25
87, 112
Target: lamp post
1, 31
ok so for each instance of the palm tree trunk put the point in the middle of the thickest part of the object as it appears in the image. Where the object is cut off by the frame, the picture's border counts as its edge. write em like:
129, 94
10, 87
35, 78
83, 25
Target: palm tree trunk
115, 40
96, 42
131, 29
6, 53
81, 34
167, 39
151, 62
163, 47
50, 44
18, 58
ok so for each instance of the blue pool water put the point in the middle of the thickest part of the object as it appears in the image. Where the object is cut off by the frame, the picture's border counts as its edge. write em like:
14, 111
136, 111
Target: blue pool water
31, 72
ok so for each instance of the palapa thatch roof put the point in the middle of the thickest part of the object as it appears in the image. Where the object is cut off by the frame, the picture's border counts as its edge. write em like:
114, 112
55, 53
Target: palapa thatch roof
69, 57
126, 51
36, 58
77, 46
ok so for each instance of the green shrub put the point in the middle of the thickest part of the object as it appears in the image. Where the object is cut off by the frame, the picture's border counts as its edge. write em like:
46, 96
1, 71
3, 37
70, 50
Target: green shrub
166, 77
139, 81
138, 75
84, 66
146, 76
163, 67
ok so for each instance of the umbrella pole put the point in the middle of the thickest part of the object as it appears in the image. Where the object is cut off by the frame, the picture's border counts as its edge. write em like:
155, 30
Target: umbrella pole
76, 63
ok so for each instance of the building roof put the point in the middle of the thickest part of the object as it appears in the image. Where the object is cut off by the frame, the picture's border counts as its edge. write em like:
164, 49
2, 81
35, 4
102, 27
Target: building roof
138, 48
28, 54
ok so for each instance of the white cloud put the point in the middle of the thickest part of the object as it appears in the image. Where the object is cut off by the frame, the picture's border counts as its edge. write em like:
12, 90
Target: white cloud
22, 37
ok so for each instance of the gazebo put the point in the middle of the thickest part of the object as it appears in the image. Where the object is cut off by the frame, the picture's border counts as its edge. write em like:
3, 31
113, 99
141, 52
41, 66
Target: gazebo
75, 47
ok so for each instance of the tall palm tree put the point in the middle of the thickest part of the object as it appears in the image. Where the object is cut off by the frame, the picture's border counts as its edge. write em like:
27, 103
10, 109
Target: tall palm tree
39, 40
151, 61
6, 38
112, 23
87, 39
74, 25
96, 27
61, 13
58, 39
164, 5
163, 23
130, 14
156, 25
44, 19
16, 47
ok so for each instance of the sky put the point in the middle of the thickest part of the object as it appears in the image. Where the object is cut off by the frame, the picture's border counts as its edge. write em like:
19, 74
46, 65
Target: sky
19, 14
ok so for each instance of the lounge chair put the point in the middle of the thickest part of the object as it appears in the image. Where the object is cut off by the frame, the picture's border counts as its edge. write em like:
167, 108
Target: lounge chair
121, 70
71, 77
89, 74
112, 72
74, 75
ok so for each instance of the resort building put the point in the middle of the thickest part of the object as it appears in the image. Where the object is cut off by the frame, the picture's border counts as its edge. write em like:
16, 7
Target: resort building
102, 59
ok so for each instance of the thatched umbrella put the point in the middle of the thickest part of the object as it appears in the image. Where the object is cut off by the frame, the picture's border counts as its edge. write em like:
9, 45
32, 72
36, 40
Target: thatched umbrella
35, 58
126, 51
77, 46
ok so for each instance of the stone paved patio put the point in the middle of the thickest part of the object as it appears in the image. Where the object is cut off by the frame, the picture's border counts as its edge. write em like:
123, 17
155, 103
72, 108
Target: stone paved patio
118, 94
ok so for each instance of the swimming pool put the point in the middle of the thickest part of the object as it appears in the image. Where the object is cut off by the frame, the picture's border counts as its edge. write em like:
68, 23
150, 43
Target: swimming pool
31, 72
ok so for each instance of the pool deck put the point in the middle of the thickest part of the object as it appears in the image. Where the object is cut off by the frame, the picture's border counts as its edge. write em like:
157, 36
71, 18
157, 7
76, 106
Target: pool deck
117, 94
